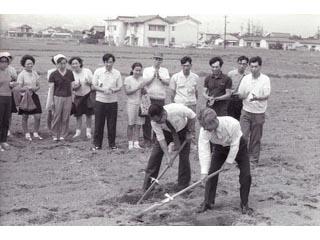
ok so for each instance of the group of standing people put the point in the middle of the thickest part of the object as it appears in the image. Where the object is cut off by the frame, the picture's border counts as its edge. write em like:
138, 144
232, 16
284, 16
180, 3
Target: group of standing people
230, 98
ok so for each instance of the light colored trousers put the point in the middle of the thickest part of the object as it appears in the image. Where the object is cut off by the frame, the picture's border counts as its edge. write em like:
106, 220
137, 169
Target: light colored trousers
61, 116
252, 128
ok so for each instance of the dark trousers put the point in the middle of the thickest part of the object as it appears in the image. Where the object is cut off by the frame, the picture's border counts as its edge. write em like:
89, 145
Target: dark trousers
252, 129
5, 112
184, 173
220, 107
146, 127
219, 157
234, 108
103, 111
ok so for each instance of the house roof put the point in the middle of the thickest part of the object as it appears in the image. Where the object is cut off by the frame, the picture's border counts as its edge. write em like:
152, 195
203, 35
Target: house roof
278, 35
252, 39
98, 28
280, 40
309, 41
146, 18
176, 19
138, 19
25, 26
229, 37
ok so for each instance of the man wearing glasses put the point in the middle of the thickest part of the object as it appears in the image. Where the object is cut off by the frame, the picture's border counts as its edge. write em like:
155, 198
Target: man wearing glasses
235, 104
156, 89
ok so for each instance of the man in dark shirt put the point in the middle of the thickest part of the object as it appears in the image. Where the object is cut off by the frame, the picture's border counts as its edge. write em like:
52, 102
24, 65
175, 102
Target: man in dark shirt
217, 87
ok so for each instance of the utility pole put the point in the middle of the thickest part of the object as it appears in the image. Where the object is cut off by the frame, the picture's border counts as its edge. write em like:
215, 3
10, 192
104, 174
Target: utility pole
225, 32
318, 32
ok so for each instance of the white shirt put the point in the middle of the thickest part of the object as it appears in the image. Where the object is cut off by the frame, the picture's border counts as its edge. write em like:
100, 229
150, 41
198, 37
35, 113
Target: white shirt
228, 133
105, 79
28, 79
185, 88
133, 83
260, 87
177, 115
156, 89
83, 78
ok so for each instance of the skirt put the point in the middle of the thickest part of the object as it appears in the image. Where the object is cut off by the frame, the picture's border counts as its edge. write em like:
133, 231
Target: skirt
83, 105
36, 101
133, 114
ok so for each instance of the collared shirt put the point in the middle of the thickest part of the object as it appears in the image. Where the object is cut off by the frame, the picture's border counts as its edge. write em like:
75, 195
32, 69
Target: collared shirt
236, 78
156, 89
5, 79
107, 79
133, 83
227, 134
260, 87
28, 79
82, 78
62, 83
185, 88
217, 84
178, 115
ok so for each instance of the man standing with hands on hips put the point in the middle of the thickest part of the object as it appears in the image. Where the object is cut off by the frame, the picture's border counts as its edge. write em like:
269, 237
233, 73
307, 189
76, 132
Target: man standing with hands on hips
224, 133
255, 90
156, 90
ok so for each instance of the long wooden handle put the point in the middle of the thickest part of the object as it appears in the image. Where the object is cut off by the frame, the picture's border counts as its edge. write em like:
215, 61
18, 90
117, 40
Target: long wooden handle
168, 199
161, 174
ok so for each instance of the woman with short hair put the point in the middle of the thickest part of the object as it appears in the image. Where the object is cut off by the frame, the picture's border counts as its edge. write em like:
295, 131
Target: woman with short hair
82, 100
61, 97
28, 80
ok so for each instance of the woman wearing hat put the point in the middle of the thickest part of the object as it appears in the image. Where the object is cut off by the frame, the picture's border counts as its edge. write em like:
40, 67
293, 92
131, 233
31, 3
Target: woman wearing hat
61, 97
28, 80
83, 100
5, 100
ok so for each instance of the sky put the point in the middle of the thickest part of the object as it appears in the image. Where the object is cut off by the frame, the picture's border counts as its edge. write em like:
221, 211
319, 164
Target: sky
292, 16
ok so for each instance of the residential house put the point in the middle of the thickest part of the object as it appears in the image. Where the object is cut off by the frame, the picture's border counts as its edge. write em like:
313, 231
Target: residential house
97, 31
276, 40
55, 32
22, 31
253, 42
311, 44
149, 30
231, 40
184, 30
208, 38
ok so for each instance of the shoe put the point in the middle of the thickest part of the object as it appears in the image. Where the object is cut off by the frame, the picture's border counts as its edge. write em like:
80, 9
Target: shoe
88, 134
1, 149
61, 138
28, 137
95, 148
5, 146
55, 139
204, 207
78, 133
114, 148
136, 145
245, 209
130, 145
36, 135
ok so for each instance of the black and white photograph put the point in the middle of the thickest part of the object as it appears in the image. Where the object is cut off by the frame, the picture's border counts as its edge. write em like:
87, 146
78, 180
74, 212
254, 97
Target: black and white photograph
160, 118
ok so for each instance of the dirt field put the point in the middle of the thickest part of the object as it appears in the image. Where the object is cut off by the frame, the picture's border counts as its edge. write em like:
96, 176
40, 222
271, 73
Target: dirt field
47, 183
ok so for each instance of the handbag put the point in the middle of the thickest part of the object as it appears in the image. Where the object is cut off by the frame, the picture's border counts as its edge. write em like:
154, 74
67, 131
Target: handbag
27, 103
144, 105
